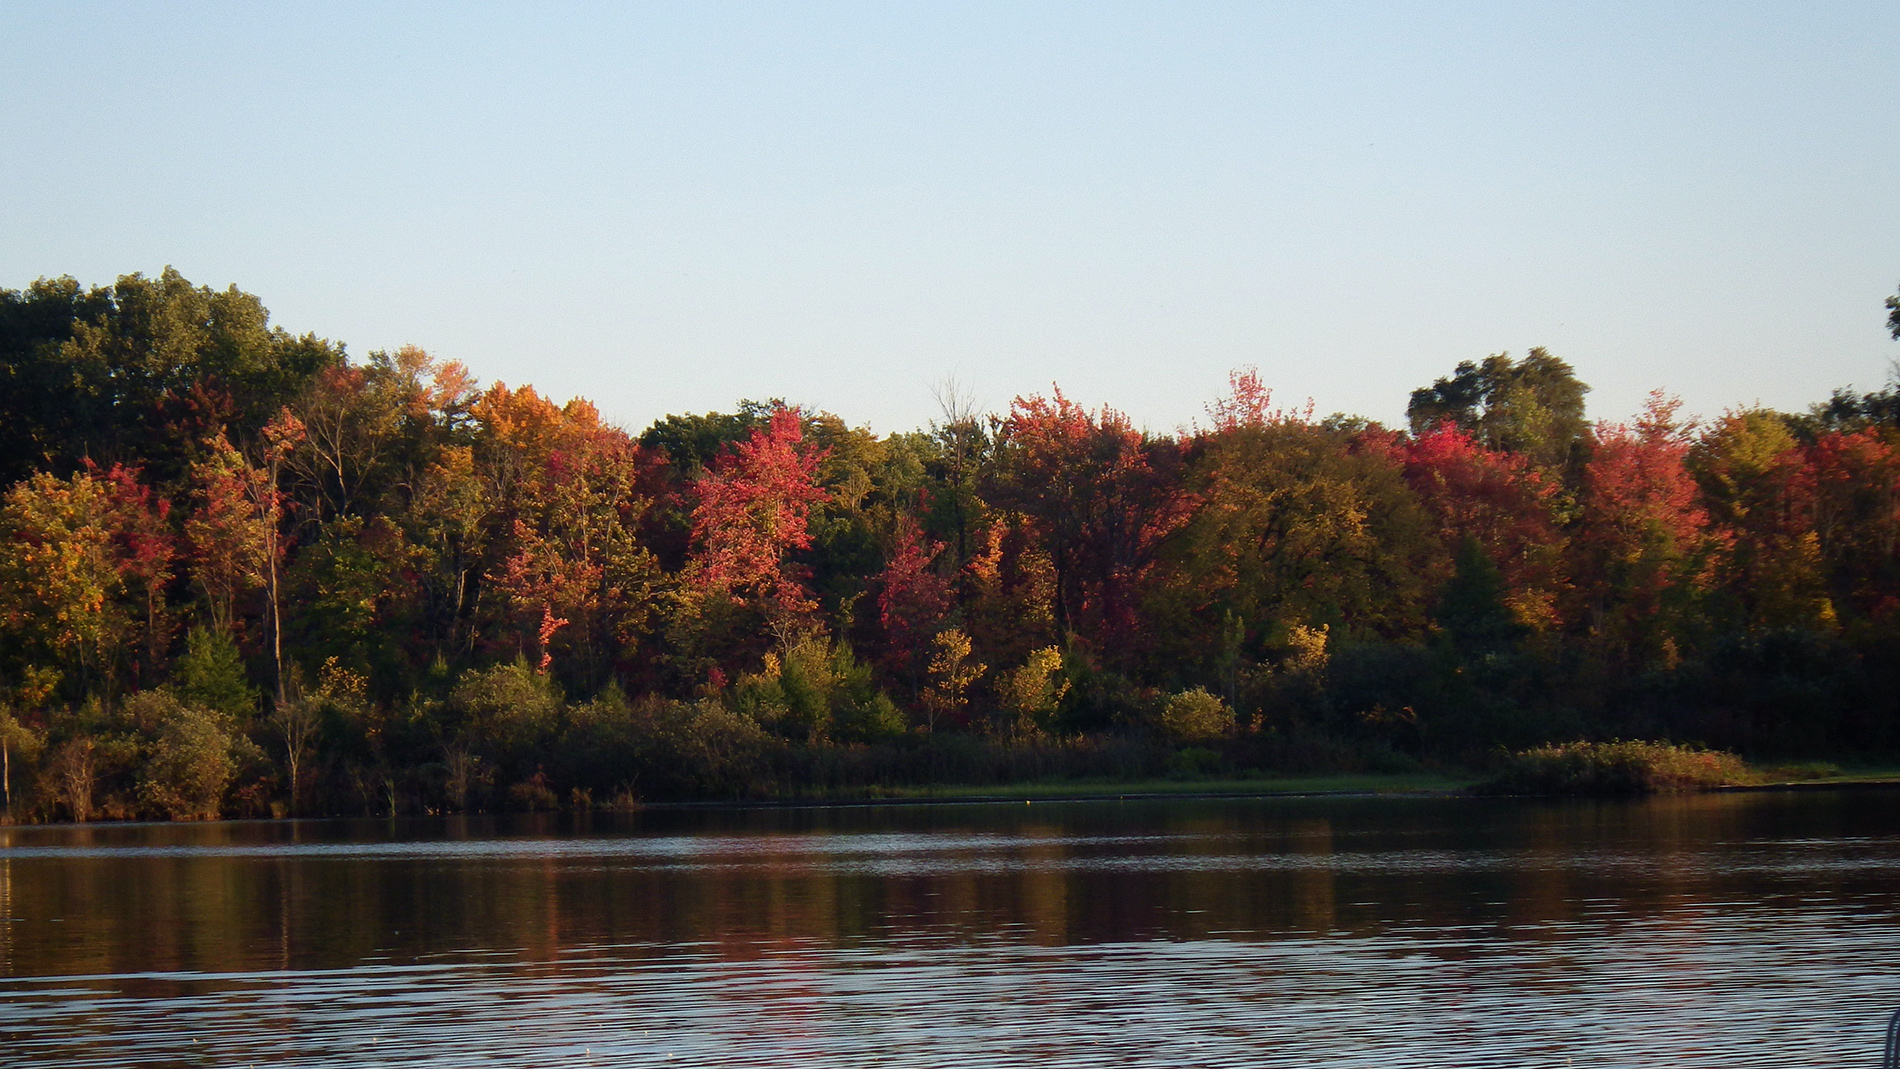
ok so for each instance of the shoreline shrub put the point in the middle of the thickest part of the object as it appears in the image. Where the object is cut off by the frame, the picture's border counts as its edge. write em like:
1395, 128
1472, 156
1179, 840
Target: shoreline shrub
1617, 769
1196, 716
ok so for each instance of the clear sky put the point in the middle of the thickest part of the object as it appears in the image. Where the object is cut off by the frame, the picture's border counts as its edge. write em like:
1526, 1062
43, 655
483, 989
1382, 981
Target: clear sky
669, 207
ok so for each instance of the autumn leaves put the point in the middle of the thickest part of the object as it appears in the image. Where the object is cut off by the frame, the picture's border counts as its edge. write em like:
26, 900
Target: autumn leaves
528, 602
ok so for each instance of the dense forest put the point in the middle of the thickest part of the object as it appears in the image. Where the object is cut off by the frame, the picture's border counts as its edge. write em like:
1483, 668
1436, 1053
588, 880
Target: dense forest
244, 574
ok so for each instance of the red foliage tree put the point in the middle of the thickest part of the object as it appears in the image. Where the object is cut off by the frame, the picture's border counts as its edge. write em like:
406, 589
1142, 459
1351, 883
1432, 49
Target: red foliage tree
1503, 503
1850, 487
1641, 531
1249, 403
143, 548
911, 599
1102, 498
753, 508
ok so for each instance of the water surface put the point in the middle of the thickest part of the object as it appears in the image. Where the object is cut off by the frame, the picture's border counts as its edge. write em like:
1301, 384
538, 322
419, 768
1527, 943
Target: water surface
1727, 930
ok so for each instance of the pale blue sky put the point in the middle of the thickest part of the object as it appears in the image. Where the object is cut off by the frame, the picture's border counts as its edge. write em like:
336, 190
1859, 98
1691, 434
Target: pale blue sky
670, 207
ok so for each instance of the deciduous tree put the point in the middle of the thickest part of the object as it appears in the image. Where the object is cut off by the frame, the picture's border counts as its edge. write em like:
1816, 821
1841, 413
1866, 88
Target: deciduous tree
1500, 502
912, 600
61, 576
1300, 524
237, 533
1641, 544
751, 512
1532, 407
1767, 565
1102, 497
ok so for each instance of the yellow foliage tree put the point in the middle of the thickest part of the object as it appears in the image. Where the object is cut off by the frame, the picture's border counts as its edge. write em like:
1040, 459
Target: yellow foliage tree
1196, 716
1032, 692
951, 672
59, 579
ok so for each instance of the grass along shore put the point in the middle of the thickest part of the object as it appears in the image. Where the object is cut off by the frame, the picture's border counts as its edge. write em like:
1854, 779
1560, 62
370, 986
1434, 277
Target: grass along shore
1731, 773
1631, 768
1054, 790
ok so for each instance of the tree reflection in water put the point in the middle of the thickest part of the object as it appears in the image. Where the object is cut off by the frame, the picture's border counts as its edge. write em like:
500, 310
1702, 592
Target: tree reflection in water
1692, 931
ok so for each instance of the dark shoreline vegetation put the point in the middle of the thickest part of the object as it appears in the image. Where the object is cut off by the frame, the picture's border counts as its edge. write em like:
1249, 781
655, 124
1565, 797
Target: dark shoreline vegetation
242, 574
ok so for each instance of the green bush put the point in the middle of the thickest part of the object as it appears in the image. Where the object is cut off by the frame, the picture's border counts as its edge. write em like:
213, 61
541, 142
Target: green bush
817, 690
190, 759
1617, 768
708, 750
508, 712
1194, 762
869, 720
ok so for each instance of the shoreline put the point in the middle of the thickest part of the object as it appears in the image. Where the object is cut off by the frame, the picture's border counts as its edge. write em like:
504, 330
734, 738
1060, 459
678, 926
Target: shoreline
1405, 785
1459, 789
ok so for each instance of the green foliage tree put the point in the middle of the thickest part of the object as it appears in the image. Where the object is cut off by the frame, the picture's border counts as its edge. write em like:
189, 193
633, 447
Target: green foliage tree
48, 403
210, 675
1472, 608
691, 443
507, 714
1532, 406
1767, 569
143, 370
814, 690
1298, 524
956, 452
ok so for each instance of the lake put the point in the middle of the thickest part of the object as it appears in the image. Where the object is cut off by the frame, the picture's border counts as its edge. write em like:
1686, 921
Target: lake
1746, 929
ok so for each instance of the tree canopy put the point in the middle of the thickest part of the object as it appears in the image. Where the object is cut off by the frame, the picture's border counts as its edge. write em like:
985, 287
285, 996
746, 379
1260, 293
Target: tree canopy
243, 573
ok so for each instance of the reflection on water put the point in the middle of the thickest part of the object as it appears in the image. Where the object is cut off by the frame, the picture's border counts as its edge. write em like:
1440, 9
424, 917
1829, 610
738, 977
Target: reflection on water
1731, 930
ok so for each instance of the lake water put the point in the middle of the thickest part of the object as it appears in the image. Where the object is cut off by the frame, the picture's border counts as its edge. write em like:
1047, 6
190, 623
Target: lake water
1723, 930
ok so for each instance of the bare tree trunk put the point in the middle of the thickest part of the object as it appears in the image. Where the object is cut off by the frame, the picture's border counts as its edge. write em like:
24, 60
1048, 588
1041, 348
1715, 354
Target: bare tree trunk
298, 722
276, 619
463, 771
294, 761
268, 503
151, 627
76, 776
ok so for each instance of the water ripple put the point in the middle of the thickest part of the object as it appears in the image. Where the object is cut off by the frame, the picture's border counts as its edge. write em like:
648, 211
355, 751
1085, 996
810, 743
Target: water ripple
1711, 993
1756, 932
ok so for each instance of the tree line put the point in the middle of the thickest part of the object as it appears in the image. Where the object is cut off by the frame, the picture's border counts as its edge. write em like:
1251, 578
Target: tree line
242, 573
